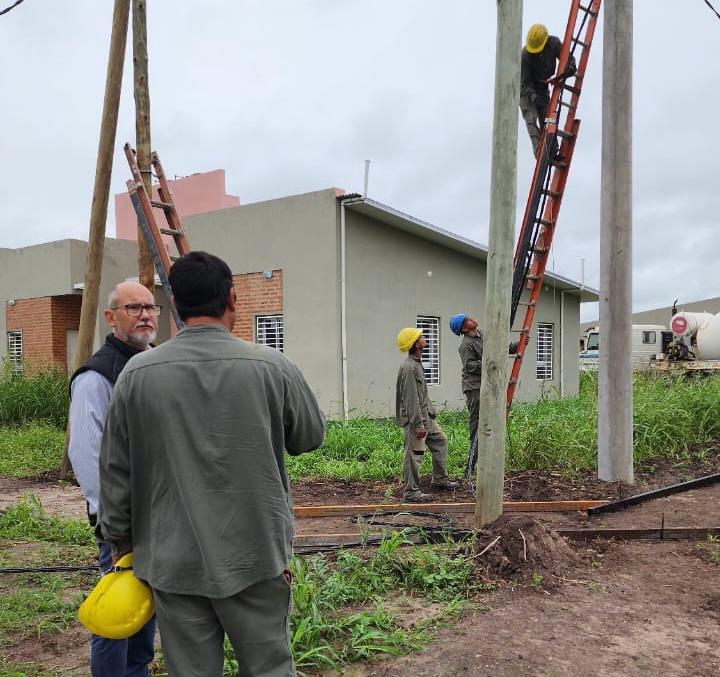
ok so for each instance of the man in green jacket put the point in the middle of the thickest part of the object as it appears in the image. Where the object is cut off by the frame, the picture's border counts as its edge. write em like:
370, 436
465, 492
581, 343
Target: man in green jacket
471, 352
415, 414
193, 480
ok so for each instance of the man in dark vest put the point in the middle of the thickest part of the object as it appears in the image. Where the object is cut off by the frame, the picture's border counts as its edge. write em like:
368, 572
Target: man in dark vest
132, 315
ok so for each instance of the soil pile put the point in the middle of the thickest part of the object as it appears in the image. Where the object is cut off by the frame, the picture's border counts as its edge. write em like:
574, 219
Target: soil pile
518, 547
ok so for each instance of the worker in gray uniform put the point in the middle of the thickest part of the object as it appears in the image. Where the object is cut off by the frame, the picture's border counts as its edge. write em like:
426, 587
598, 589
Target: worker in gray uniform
471, 352
537, 65
193, 480
415, 414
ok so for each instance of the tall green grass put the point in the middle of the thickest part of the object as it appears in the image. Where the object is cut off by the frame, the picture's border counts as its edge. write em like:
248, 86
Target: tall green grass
560, 434
39, 396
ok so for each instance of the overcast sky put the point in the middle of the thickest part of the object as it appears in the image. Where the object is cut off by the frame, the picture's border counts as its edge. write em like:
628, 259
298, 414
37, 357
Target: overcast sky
290, 96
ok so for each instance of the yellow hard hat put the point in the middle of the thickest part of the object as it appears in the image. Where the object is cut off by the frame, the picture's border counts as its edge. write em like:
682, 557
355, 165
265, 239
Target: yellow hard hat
407, 337
537, 37
119, 605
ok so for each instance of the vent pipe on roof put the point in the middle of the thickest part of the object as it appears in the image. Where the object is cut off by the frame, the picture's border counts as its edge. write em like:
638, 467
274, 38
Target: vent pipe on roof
367, 176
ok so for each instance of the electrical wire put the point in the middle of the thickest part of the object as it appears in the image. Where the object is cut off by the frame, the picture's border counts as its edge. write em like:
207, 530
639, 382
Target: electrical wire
715, 12
13, 6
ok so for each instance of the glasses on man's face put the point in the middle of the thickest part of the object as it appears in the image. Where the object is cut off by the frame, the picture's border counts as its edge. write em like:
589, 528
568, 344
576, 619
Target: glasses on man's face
136, 309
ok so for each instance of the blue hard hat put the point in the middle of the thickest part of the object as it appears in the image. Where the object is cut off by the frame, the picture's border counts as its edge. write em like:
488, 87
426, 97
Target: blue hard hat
456, 323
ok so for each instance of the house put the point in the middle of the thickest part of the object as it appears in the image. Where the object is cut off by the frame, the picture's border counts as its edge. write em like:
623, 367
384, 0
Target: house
329, 279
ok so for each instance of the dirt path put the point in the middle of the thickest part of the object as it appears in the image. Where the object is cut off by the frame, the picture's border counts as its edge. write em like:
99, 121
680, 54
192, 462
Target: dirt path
647, 609
638, 609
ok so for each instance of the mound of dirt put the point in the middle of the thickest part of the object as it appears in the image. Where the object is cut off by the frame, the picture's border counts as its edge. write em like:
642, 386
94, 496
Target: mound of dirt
518, 547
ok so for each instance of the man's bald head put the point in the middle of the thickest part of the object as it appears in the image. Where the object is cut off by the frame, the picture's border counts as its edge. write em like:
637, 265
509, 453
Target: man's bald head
130, 315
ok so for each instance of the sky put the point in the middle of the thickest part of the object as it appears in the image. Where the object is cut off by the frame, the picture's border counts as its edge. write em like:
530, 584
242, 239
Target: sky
292, 96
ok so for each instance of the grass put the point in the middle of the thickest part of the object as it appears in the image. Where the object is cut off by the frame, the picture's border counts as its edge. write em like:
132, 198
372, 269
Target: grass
30, 450
39, 396
27, 520
550, 434
343, 610
670, 416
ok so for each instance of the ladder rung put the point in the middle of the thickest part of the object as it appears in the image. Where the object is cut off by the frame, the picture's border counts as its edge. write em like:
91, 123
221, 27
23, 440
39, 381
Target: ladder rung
560, 164
587, 10
566, 104
577, 41
552, 193
520, 331
570, 88
167, 206
529, 304
513, 381
541, 250
170, 231
564, 135
545, 222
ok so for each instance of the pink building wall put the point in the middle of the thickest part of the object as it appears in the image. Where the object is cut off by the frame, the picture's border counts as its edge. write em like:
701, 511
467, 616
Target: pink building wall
203, 192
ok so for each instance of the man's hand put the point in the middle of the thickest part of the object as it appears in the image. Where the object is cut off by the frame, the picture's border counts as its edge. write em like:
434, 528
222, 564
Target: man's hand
420, 433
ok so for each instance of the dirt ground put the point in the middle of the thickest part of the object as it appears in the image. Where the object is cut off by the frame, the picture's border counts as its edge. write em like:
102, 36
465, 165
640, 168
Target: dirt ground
625, 608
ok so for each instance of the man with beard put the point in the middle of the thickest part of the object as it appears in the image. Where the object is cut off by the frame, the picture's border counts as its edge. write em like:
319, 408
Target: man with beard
132, 315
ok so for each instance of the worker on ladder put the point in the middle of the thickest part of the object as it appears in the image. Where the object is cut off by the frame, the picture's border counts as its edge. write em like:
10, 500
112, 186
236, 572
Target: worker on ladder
537, 66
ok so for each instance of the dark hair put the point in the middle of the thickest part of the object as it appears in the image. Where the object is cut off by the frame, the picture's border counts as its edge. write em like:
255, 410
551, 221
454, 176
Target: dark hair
200, 283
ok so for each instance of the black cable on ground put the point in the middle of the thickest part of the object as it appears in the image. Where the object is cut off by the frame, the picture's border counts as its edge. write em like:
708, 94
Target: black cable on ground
50, 569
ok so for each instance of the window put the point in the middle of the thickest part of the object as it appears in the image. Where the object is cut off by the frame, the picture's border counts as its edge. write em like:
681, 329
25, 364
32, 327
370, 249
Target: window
15, 351
431, 355
649, 337
544, 367
269, 331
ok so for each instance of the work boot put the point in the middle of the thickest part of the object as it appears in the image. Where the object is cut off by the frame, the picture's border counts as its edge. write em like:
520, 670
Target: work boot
446, 486
418, 497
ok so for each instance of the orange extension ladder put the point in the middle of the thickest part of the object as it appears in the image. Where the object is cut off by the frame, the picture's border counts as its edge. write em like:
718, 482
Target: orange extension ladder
549, 179
143, 205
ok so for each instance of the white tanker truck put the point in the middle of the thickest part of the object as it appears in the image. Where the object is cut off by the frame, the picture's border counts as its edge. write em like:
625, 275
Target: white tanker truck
692, 344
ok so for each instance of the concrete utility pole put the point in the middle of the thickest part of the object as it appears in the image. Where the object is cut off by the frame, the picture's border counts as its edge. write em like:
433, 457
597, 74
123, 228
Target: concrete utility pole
101, 192
503, 190
615, 418
142, 128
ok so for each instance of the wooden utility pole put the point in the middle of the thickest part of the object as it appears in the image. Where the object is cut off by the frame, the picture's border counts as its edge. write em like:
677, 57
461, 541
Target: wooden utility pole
503, 193
142, 128
615, 416
101, 191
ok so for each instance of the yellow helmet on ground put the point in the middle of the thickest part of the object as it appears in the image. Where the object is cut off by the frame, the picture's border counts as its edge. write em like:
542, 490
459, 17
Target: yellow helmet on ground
119, 605
537, 37
407, 337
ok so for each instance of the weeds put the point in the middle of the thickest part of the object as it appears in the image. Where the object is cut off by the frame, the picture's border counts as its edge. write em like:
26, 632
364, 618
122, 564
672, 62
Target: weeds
40, 396
27, 520
30, 450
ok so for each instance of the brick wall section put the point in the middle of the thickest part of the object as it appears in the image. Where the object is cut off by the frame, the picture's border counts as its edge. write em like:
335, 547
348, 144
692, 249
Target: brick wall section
257, 295
65, 311
44, 322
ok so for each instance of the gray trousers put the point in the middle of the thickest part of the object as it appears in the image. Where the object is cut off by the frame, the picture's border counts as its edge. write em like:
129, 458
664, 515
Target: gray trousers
472, 398
414, 451
534, 121
192, 631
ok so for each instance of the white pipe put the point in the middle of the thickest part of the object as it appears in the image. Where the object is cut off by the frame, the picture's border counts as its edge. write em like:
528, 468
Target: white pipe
343, 319
562, 343
367, 178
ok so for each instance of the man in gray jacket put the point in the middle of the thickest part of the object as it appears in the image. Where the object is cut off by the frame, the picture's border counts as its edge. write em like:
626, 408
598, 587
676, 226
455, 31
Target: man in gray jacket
471, 353
415, 414
193, 480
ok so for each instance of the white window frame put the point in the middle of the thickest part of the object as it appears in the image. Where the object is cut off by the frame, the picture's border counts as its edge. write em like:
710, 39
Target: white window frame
272, 323
647, 334
544, 365
15, 353
431, 354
